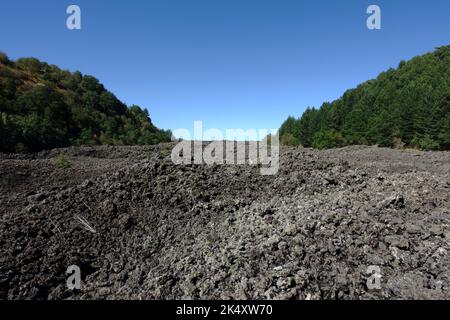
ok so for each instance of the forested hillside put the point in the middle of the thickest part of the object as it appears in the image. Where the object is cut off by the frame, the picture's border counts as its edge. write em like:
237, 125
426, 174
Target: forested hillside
404, 107
42, 107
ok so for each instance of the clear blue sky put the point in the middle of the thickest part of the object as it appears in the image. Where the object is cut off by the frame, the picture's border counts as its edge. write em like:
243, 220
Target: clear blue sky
231, 63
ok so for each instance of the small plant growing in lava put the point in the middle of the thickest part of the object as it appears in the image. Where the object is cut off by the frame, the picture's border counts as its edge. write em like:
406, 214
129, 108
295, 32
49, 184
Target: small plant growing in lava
62, 162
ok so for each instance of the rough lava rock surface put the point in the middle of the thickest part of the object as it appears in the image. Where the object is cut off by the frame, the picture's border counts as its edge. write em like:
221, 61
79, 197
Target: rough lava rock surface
166, 231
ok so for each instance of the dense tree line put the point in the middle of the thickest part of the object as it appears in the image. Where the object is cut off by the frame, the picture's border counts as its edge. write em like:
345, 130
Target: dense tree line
42, 107
404, 107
